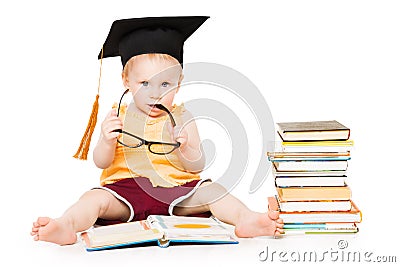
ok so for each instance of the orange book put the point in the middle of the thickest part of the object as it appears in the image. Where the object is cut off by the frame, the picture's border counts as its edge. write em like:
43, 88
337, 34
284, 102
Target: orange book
354, 215
314, 193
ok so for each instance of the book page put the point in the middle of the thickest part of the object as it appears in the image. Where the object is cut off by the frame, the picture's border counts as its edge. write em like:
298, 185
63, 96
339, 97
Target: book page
121, 228
189, 228
121, 234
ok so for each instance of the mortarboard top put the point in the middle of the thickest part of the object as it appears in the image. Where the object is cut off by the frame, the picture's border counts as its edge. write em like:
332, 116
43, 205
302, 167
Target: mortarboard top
165, 35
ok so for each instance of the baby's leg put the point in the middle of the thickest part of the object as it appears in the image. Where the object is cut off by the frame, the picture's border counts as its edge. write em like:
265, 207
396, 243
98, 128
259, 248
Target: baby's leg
229, 209
94, 204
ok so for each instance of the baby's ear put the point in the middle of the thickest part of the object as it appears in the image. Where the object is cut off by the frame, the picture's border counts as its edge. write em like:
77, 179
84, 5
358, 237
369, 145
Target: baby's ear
125, 80
179, 82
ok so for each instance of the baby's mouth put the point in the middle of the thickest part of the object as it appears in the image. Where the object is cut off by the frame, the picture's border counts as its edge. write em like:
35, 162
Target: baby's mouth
154, 107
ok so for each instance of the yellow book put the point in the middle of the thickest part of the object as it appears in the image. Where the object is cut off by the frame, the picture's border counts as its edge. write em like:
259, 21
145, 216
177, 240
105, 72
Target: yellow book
318, 146
348, 142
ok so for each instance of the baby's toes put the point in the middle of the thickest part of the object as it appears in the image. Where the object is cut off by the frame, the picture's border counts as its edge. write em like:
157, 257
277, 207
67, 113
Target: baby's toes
273, 215
278, 232
279, 225
34, 230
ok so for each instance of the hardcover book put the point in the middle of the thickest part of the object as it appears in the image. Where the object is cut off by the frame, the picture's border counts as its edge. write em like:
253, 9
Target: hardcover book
302, 193
291, 156
318, 146
309, 161
311, 165
158, 230
319, 173
352, 216
314, 205
319, 228
287, 181
313, 130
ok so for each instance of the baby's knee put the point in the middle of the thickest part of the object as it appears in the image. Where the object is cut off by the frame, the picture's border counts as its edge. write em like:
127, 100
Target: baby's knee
94, 193
211, 191
96, 197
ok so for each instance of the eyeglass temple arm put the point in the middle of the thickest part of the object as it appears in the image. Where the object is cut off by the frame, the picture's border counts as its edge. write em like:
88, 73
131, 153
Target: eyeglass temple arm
120, 101
160, 106
119, 106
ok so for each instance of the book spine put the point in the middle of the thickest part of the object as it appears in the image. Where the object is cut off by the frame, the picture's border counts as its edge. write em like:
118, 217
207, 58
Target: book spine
163, 242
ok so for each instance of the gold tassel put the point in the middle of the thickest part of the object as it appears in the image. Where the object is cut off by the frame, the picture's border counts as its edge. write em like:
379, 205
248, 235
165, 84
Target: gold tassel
87, 136
83, 149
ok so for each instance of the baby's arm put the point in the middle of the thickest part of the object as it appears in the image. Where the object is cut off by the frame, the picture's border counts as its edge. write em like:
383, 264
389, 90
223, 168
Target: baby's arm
190, 152
104, 152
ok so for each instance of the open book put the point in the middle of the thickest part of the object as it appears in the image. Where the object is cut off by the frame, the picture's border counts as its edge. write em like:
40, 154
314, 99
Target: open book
160, 230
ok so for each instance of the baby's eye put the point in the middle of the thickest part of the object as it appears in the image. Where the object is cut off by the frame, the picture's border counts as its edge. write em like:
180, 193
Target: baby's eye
165, 84
145, 83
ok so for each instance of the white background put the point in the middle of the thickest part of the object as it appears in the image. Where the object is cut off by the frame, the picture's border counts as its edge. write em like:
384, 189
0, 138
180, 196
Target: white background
312, 60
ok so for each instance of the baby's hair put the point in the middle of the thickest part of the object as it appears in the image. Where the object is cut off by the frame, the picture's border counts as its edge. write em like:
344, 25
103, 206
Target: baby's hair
155, 57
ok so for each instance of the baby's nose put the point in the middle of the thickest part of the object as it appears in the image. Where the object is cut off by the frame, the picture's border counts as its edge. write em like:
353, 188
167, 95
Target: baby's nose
155, 93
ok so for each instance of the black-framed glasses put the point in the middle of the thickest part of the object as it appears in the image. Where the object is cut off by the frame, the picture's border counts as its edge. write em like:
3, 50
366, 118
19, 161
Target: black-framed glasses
133, 141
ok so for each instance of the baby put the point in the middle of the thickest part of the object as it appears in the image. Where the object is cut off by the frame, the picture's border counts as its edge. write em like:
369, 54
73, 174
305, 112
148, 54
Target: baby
150, 161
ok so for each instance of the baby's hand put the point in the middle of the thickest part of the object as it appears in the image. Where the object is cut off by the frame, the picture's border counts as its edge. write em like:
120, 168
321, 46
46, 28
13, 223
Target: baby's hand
109, 125
179, 134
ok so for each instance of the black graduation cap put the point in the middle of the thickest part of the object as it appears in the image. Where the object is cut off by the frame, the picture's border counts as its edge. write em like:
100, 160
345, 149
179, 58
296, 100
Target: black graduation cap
136, 36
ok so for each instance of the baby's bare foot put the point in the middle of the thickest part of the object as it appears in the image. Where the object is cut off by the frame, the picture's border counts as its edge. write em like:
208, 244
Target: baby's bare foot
53, 230
260, 224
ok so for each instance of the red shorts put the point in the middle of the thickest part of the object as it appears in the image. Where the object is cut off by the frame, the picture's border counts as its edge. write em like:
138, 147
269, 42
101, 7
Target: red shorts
143, 199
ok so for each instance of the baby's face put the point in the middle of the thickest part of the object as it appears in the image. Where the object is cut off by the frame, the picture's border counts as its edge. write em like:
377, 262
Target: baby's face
152, 82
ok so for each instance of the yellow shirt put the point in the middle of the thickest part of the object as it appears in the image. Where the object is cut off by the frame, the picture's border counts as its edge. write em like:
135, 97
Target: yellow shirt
161, 170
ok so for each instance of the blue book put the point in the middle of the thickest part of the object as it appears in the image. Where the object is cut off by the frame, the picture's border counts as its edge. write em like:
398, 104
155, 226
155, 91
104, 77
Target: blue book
320, 228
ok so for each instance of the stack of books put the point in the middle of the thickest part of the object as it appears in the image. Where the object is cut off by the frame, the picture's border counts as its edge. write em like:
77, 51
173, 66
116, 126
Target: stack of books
310, 172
